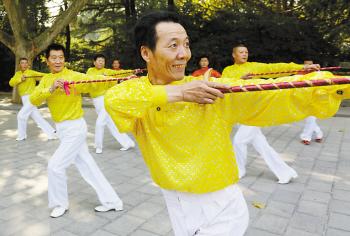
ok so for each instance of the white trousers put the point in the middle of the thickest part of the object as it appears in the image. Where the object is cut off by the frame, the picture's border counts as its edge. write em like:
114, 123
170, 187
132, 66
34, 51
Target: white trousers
220, 213
73, 149
251, 134
103, 119
311, 128
29, 110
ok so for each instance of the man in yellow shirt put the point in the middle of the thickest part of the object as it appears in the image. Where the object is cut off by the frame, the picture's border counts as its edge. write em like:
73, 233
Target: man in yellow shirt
25, 80
183, 123
103, 118
241, 69
67, 113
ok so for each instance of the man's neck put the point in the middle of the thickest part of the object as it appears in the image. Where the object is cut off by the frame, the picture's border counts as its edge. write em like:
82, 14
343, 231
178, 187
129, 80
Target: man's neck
240, 63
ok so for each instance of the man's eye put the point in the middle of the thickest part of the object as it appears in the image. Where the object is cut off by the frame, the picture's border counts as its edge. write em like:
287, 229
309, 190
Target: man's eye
174, 45
187, 44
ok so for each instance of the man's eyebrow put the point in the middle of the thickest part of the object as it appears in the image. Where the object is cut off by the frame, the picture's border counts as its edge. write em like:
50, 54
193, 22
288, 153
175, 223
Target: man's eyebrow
176, 38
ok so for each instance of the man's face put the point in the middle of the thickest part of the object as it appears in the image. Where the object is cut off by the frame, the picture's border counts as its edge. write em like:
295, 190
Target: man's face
99, 63
308, 62
23, 65
167, 62
240, 55
55, 61
116, 65
203, 62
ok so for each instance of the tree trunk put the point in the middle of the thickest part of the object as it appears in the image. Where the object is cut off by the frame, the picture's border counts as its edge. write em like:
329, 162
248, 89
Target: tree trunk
68, 36
171, 5
20, 43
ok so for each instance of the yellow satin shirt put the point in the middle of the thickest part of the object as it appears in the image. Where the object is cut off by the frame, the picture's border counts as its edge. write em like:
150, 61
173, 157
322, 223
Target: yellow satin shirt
239, 70
104, 71
64, 107
187, 146
27, 86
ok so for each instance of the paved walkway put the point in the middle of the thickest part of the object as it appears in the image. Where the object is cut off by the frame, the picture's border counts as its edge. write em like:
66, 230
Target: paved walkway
317, 203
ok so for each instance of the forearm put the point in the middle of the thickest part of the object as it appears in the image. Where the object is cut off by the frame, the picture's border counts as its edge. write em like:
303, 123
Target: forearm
40, 95
14, 81
284, 106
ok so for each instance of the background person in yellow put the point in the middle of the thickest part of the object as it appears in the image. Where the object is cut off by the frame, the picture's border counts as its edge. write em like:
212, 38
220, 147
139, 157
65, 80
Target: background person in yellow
67, 113
103, 118
241, 69
183, 124
311, 127
25, 80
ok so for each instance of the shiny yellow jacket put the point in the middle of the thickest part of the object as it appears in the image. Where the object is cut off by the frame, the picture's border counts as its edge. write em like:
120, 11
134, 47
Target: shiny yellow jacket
27, 86
64, 107
104, 71
239, 70
187, 146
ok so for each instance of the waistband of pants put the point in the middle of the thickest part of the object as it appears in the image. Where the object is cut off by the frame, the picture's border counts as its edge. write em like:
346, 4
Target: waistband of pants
69, 123
220, 195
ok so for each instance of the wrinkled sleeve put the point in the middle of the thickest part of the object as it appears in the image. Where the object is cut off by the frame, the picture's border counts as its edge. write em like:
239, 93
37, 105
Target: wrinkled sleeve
37, 73
40, 93
274, 107
275, 67
119, 73
130, 100
15, 80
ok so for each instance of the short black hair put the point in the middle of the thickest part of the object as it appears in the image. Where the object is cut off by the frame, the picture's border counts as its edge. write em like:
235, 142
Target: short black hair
100, 55
203, 56
23, 59
238, 45
54, 47
145, 29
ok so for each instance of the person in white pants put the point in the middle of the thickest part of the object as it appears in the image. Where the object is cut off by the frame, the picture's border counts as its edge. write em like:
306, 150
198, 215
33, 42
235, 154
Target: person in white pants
311, 129
103, 118
252, 135
25, 80
72, 132
241, 69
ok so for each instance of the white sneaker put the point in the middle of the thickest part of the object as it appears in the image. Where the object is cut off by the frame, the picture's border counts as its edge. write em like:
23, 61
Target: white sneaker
53, 137
21, 138
103, 208
287, 180
127, 147
58, 211
98, 150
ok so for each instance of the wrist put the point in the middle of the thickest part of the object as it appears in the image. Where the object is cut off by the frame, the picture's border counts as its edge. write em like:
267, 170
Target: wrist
175, 93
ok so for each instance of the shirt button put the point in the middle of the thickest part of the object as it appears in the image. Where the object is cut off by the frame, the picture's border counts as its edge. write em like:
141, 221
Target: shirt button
158, 108
340, 92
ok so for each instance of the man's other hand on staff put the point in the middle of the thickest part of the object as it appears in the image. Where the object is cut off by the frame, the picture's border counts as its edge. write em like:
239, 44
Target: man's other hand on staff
200, 91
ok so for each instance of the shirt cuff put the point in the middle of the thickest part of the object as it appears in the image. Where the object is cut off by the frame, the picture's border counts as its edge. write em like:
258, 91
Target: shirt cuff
159, 94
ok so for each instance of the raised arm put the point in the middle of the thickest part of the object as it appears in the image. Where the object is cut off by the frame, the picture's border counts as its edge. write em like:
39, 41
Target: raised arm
130, 100
41, 92
265, 108
15, 80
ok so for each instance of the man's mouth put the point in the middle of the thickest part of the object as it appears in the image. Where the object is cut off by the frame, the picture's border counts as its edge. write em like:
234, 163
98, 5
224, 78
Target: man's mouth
182, 66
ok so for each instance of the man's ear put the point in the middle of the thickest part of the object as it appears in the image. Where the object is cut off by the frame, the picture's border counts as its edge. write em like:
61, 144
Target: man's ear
145, 53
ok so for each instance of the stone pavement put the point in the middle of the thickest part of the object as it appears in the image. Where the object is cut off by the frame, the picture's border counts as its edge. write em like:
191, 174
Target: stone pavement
317, 203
